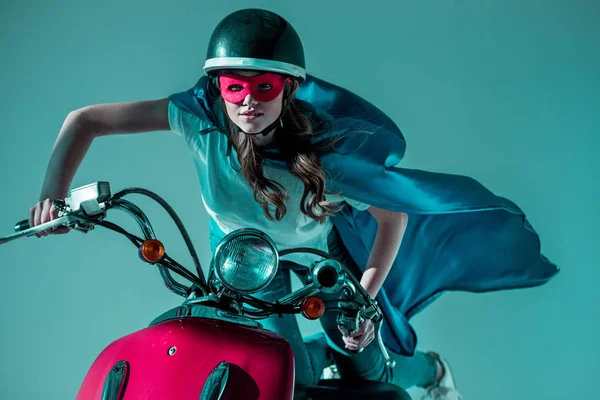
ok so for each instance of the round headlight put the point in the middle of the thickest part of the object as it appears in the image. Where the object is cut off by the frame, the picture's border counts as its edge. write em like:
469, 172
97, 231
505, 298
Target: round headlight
246, 260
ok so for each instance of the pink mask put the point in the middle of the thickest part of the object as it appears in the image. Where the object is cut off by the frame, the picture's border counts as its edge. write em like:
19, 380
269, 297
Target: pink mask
264, 87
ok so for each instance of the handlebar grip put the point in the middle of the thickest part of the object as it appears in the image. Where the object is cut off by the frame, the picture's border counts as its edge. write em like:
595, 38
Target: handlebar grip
22, 225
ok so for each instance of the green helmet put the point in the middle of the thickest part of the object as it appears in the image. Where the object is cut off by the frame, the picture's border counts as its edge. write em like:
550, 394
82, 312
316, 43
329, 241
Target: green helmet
256, 39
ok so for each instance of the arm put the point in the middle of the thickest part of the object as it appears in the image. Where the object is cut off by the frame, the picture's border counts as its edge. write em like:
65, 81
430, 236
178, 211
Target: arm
391, 226
82, 126
78, 131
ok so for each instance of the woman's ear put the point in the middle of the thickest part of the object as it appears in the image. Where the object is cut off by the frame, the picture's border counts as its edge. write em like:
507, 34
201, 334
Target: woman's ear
294, 86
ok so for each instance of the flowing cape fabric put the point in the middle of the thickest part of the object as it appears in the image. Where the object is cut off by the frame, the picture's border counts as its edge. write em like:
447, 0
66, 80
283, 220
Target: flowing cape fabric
460, 236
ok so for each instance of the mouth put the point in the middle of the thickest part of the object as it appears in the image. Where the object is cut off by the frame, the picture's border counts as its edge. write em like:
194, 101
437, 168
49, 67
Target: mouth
251, 115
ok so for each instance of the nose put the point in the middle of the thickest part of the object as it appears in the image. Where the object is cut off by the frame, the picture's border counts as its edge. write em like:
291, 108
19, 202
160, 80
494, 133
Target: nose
249, 100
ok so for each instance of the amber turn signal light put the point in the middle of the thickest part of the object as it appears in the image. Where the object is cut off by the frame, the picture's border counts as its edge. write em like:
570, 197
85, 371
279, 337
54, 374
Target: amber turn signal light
312, 308
152, 251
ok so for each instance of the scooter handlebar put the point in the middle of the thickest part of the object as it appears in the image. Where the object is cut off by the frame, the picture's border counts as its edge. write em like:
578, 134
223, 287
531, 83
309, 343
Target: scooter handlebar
22, 225
23, 229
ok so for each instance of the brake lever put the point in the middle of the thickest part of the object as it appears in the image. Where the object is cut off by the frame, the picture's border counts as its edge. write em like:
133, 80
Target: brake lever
373, 313
350, 323
72, 221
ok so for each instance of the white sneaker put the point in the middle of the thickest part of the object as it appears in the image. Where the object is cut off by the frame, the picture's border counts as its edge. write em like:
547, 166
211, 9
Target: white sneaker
445, 389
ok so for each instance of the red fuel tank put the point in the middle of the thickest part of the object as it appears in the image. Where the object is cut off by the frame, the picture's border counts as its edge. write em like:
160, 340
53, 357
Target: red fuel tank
172, 360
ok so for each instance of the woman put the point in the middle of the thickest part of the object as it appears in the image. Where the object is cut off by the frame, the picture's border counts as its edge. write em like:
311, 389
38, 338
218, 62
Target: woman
313, 165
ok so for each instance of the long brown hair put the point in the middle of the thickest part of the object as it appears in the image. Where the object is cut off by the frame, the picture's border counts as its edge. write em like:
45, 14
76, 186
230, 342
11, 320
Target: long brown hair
295, 145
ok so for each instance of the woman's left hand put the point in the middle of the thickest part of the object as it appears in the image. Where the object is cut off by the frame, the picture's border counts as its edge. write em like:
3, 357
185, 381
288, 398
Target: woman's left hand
361, 338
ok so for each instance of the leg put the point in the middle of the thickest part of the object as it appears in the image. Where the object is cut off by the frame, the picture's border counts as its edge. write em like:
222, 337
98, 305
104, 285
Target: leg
320, 351
418, 370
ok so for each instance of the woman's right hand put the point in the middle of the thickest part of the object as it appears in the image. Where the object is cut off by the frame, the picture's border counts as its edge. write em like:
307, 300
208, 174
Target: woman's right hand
42, 212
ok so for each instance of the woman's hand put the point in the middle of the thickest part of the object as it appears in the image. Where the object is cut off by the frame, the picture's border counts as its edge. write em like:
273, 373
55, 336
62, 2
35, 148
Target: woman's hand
361, 338
42, 212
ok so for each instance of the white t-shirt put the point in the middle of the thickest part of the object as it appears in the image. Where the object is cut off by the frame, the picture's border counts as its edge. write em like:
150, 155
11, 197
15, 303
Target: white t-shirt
229, 200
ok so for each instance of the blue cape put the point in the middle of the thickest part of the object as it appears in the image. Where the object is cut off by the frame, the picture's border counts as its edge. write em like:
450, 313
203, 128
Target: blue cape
460, 236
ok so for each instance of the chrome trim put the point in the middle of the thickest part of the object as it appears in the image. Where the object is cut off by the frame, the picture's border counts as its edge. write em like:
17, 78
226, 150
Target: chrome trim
256, 64
215, 383
388, 360
199, 300
116, 381
138, 215
329, 263
67, 220
148, 233
294, 297
208, 312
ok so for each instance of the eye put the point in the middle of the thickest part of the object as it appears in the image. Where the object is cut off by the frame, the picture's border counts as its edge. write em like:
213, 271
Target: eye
263, 87
235, 88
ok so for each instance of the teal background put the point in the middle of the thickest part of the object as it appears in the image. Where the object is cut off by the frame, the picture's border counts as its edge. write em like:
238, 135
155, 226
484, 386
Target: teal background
504, 91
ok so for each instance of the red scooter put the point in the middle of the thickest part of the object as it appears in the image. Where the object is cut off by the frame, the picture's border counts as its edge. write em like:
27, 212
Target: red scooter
214, 347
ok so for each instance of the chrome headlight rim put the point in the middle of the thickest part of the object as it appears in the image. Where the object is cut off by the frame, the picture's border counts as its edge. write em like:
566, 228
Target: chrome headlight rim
231, 237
